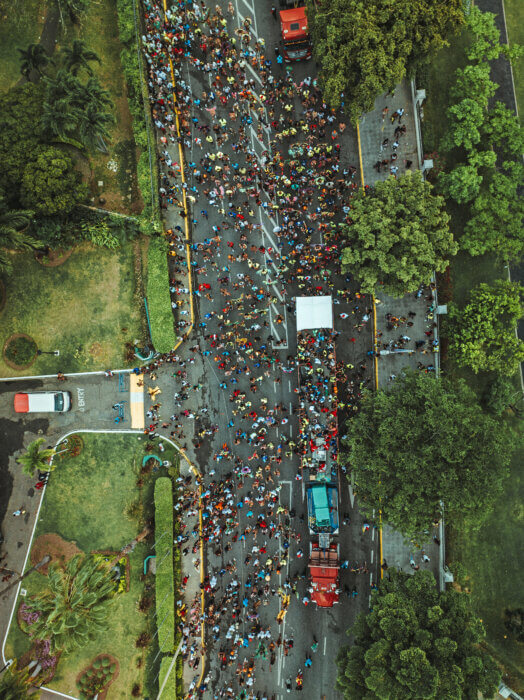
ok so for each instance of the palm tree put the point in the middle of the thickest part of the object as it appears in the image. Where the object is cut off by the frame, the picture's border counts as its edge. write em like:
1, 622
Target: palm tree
73, 609
35, 458
92, 129
34, 58
63, 85
14, 685
94, 93
12, 237
78, 56
60, 118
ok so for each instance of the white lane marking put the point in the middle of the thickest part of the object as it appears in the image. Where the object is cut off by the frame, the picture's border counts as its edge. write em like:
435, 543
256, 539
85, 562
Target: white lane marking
289, 385
251, 9
255, 75
291, 431
255, 136
373, 535
372, 553
325, 641
370, 579
290, 404
275, 246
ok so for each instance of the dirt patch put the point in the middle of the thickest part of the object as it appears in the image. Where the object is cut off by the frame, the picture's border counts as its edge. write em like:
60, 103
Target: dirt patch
12, 338
60, 550
54, 258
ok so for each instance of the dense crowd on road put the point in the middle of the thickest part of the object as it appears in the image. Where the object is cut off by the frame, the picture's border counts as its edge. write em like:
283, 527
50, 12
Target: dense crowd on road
265, 220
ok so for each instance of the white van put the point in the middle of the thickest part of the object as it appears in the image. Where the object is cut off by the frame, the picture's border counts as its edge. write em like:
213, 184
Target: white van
43, 402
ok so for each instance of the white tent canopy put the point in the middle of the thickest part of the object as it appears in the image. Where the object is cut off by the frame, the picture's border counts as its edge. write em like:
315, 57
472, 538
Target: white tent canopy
314, 312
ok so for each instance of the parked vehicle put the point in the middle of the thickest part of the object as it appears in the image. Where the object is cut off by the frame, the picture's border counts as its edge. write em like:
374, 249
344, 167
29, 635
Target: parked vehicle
42, 402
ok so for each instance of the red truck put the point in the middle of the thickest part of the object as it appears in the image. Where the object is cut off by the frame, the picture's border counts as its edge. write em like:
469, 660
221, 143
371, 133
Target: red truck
324, 571
295, 37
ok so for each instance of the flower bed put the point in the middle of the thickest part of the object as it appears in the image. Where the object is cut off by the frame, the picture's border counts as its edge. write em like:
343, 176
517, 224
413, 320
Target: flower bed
39, 655
72, 448
19, 351
98, 676
122, 582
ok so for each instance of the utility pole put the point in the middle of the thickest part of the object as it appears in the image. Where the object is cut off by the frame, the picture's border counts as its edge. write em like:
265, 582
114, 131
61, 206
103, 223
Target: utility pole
41, 563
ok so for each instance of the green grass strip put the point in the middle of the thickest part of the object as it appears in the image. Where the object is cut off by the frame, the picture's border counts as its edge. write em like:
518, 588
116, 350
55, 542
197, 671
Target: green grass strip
165, 586
169, 691
158, 297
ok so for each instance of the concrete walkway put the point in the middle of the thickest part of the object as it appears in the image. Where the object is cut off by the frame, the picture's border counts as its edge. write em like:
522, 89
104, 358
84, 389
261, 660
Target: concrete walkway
414, 315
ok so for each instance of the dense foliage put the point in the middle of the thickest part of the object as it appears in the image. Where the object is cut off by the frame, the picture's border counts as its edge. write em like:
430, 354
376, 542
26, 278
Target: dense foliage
17, 685
142, 125
424, 442
158, 297
478, 129
483, 333
50, 184
416, 643
20, 135
365, 47
74, 606
164, 577
398, 235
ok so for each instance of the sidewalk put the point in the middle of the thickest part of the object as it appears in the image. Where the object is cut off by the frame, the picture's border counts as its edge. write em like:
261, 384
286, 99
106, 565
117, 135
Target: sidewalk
410, 317
376, 128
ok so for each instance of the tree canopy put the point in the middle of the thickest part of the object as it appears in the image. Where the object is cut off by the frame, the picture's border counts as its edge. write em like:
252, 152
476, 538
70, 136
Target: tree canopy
365, 47
398, 235
73, 608
416, 643
423, 442
36, 459
483, 333
20, 134
50, 184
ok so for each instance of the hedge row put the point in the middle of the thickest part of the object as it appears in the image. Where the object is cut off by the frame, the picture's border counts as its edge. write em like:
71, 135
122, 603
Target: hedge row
165, 585
161, 319
169, 692
138, 99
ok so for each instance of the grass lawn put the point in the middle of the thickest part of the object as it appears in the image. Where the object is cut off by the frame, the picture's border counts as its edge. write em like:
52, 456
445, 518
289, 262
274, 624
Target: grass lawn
84, 308
515, 24
86, 502
20, 25
99, 30
494, 559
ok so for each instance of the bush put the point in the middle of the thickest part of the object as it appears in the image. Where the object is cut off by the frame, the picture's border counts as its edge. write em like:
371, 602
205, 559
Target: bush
165, 588
21, 351
170, 687
158, 298
50, 183
138, 100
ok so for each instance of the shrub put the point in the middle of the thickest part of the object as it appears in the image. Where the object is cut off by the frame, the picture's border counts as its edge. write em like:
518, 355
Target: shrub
158, 297
170, 687
138, 101
21, 351
164, 580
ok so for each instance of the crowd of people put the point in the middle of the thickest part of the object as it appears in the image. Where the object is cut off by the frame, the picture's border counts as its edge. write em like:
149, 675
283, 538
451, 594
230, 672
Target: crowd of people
266, 184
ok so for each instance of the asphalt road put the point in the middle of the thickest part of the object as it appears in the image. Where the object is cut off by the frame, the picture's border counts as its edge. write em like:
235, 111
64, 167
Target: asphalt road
97, 394
301, 622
